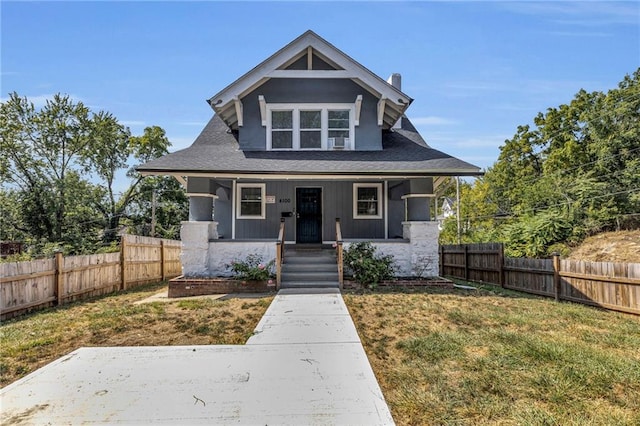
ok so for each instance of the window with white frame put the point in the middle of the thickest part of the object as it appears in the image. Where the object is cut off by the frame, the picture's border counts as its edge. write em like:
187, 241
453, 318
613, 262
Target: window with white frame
250, 199
367, 200
310, 126
282, 129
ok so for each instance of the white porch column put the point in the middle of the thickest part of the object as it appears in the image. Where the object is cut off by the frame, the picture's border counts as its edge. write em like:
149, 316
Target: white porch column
423, 237
195, 236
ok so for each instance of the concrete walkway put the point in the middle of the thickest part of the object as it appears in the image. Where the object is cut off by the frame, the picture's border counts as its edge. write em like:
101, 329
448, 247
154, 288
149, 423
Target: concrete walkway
305, 365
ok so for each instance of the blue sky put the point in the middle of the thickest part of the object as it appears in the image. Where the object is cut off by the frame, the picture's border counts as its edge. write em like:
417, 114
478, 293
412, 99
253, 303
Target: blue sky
476, 69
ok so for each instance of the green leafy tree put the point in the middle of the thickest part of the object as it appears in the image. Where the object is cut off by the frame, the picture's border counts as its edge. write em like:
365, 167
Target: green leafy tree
39, 149
50, 161
159, 208
577, 172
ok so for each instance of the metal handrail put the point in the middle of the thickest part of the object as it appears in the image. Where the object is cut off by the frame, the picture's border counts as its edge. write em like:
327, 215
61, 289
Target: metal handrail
279, 254
339, 253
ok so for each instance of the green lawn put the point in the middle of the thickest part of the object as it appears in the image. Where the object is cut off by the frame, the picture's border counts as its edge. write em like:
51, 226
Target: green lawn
496, 357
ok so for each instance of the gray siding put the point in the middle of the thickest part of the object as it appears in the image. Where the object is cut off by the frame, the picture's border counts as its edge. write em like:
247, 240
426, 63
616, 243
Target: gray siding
252, 136
337, 202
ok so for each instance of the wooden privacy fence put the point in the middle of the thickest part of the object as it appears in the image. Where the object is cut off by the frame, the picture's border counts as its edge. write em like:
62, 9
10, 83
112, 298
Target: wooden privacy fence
610, 285
25, 286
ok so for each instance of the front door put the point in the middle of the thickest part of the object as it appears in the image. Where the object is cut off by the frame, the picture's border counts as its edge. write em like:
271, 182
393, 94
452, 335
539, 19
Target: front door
308, 215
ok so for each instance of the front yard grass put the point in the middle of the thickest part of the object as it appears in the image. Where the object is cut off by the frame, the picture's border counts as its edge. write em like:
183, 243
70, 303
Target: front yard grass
441, 356
29, 342
497, 357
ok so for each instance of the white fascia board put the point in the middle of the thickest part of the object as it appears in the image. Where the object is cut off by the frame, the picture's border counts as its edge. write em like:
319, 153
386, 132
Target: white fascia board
400, 174
351, 69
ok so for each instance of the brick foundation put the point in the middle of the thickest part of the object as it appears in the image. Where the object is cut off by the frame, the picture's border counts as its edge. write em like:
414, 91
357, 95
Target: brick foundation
406, 282
183, 287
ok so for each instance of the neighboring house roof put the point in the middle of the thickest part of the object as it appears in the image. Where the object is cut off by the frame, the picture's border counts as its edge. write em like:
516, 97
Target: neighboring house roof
227, 103
216, 153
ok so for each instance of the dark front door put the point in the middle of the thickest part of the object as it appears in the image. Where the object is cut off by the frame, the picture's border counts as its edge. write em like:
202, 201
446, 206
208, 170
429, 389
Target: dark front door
308, 215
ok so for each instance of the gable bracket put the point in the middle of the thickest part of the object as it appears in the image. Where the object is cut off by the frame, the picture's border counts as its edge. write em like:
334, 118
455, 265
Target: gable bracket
238, 104
381, 105
263, 109
358, 107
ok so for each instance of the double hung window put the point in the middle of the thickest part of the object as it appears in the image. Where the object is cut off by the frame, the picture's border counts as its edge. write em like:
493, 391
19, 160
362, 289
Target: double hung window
282, 129
309, 126
250, 201
367, 200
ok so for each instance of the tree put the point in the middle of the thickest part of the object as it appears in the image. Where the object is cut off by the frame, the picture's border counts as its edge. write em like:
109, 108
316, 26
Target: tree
39, 149
50, 161
577, 172
159, 208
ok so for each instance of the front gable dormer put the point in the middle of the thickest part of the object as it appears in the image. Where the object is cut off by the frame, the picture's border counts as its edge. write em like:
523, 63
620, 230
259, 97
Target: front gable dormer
310, 96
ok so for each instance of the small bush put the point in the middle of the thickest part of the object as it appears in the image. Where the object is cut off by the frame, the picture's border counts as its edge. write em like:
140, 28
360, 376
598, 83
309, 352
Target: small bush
252, 268
368, 268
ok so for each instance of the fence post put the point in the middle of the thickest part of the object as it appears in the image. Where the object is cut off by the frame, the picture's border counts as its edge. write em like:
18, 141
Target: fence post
123, 266
441, 258
556, 276
59, 278
466, 262
163, 259
501, 264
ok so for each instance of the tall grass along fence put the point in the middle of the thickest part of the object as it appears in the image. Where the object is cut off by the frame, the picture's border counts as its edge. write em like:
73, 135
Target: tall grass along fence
610, 285
26, 286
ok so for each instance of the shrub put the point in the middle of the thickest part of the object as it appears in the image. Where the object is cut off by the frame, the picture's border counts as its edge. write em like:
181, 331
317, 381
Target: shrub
367, 267
252, 268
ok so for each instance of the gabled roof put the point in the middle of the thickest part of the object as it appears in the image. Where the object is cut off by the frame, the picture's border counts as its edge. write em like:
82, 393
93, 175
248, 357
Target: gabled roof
336, 64
216, 153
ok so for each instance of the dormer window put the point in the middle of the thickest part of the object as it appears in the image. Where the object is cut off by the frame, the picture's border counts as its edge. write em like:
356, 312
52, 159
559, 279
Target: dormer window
282, 129
311, 129
310, 126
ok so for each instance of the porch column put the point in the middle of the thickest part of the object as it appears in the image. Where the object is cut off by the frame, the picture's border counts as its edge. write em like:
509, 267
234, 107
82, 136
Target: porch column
423, 237
195, 238
418, 200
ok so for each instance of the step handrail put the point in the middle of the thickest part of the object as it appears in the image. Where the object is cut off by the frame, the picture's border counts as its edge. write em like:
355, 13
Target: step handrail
279, 254
339, 253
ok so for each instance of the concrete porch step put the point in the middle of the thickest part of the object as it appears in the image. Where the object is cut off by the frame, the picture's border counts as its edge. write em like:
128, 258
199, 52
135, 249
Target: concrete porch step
310, 284
309, 260
310, 267
310, 276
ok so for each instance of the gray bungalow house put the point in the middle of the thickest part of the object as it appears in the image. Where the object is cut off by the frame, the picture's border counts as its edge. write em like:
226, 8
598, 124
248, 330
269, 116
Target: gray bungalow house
304, 138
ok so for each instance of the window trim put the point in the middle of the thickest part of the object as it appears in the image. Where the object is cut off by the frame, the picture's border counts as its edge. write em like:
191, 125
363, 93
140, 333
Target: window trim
263, 201
324, 124
378, 187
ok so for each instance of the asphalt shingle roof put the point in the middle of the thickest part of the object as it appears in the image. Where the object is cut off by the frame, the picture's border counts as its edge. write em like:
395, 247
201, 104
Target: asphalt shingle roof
216, 151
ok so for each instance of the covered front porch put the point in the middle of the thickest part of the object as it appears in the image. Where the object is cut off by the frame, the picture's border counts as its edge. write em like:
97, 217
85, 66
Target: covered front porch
232, 218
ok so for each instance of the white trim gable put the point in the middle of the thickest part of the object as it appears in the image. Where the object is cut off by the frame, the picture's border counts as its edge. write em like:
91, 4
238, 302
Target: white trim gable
223, 103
